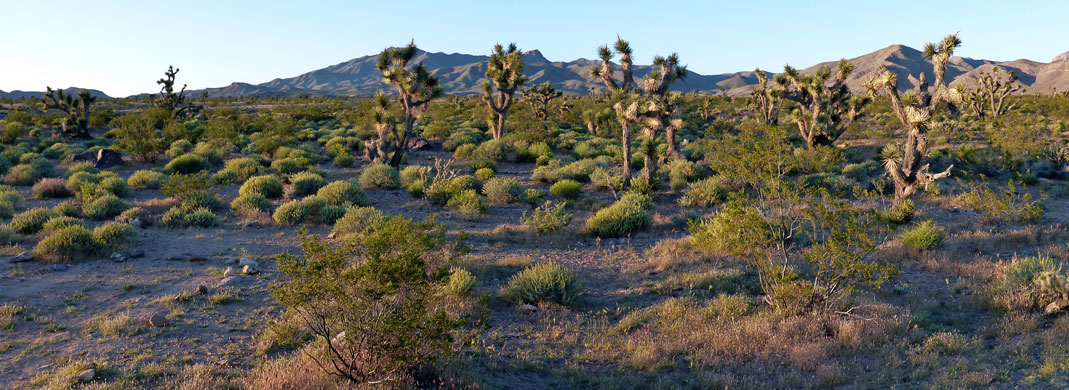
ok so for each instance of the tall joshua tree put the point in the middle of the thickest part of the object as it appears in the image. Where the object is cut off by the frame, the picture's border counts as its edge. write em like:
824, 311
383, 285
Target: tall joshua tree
824, 111
991, 94
539, 98
914, 109
505, 71
765, 100
76, 123
378, 150
653, 111
174, 102
416, 87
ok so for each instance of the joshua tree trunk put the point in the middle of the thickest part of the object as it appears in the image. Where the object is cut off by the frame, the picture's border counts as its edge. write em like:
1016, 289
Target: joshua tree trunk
625, 139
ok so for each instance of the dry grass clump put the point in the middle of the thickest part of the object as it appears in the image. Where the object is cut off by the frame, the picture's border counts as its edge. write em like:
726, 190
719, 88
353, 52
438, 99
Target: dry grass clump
296, 370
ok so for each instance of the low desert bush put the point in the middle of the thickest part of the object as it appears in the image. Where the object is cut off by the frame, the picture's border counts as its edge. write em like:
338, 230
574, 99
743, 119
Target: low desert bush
306, 183
59, 222
926, 235
114, 235
145, 179
704, 193
357, 220
31, 221
621, 218
343, 193
48, 188
298, 211
186, 164
548, 218
68, 243
500, 191
267, 186
380, 176
467, 203
253, 202
545, 282
568, 189
460, 282
1008, 204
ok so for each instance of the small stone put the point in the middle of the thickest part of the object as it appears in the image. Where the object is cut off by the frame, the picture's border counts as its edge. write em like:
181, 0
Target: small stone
86, 375
247, 261
229, 272
528, 308
117, 257
21, 257
202, 289
231, 261
159, 320
332, 235
60, 267
137, 253
249, 270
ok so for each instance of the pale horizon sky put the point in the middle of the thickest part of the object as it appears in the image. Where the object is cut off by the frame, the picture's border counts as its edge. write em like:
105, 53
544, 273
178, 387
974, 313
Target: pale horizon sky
123, 47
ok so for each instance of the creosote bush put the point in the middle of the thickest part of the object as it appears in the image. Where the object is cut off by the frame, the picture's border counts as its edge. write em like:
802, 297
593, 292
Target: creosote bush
186, 164
380, 176
343, 193
548, 218
357, 220
924, 236
500, 191
621, 218
51, 188
31, 221
460, 282
545, 282
69, 243
568, 189
145, 179
267, 186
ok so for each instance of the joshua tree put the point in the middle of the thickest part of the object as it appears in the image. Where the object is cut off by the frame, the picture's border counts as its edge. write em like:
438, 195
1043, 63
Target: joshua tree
824, 111
539, 98
594, 120
505, 70
416, 88
764, 100
914, 109
565, 106
991, 94
174, 102
379, 150
653, 111
76, 124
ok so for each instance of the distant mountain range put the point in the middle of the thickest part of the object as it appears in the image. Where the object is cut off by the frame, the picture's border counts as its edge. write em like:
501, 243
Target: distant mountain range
39, 94
463, 74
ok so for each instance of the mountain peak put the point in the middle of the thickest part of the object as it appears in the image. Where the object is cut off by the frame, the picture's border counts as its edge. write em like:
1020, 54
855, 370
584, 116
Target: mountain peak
1061, 57
534, 55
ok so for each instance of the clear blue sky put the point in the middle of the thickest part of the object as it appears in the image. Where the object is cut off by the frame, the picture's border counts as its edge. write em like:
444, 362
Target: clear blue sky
123, 47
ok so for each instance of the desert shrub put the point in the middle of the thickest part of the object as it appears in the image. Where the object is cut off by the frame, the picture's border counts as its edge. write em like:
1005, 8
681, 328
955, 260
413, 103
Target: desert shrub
681, 172
621, 218
484, 174
373, 295
330, 213
1022, 271
545, 282
1000, 205
186, 164
494, 150
548, 218
116, 186
466, 136
22, 175
344, 160
533, 196
76, 181
297, 211
380, 176
306, 183
114, 235
145, 179
31, 221
860, 172
84, 166
460, 282
501, 191
252, 202
202, 217
704, 193
179, 148
568, 189
69, 208
51, 188
464, 152
413, 174
267, 186
924, 236
818, 159
243, 168
7, 234
902, 213
580, 170
211, 154
288, 166
342, 193
357, 220
484, 163
135, 216
68, 243
61, 221
467, 182
200, 199
467, 203
10, 197
103, 207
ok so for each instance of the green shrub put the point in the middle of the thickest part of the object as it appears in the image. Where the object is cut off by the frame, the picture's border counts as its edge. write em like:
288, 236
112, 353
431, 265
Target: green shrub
253, 202
224, 177
467, 203
924, 236
69, 243
621, 218
200, 199
22, 175
244, 168
78, 180
484, 174
7, 234
113, 235
68, 208
288, 166
116, 186
306, 183
185, 164
494, 150
61, 221
464, 152
267, 186
439, 192
179, 148
484, 163
467, 182
1022, 271
342, 193
1000, 204
330, 213
413, 174
202, 217
545, 282
84, 166
210, 153
548, 218
704, 193
900, 214
568, 189
533, 196
681, 172
357, 220
501, 191
31, 221
145, 179
48, 188
135, 214
103, 207
344, 160
380, 176
297, 211
460, 282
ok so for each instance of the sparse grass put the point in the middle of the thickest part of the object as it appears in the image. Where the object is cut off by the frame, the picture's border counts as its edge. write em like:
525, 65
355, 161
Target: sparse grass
111, 326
